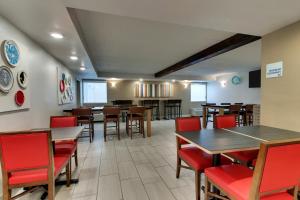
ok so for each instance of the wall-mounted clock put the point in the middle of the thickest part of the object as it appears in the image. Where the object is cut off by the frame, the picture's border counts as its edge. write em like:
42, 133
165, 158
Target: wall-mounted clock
10, 52
236, 80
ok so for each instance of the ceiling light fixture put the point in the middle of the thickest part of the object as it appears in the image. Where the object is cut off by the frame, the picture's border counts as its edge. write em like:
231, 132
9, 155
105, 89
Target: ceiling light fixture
173, 80
141, 79
73, 57
57, 35
82, 68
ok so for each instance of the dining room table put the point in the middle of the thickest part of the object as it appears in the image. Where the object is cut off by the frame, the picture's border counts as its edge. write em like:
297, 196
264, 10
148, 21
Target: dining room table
148, 111
226, 140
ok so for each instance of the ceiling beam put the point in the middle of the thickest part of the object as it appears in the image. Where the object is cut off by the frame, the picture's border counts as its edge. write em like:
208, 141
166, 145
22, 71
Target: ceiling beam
226, 45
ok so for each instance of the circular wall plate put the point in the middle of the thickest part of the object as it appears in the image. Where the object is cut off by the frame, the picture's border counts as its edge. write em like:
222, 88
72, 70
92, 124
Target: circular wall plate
236, 80
6, 79
10, 52
22, 79
19, 98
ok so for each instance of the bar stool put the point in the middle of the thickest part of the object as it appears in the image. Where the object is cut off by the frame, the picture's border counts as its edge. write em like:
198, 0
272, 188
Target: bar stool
248, 115
236, 110
135, 113
85, 117
111, 114
211, 112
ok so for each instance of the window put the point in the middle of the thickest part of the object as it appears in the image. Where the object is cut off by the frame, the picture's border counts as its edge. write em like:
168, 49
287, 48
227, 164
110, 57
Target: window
198, 92
94, 92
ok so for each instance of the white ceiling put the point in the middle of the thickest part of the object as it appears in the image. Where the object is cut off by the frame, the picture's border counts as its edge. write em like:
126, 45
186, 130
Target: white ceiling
257, 17
131, 38
129, 45
38, 19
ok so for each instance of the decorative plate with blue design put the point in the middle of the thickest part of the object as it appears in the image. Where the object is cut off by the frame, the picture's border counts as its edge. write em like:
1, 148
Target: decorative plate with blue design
10, 52
236, 80
6, 79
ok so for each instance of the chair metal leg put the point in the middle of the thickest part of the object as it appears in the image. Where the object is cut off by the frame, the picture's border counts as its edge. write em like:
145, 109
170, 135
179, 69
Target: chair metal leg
207, 187
178, 167
76, 157
118, 129
104, 130
68, 175
197, 184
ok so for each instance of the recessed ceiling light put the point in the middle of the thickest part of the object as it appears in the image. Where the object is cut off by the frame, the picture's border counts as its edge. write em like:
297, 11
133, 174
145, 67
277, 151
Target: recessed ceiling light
141, 79
57, 35
82, 68
173, 80
73, 57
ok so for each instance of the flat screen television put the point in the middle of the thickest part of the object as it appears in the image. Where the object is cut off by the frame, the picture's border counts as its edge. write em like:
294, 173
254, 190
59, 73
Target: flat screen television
254, 79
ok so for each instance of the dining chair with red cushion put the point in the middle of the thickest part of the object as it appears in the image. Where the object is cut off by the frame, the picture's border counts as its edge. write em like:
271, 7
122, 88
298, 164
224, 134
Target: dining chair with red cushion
68, 146
275, 177
195, 158
244, 157
27, 161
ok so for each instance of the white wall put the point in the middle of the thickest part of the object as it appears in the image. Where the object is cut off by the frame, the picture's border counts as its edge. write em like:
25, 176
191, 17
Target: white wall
42, 71
232, 93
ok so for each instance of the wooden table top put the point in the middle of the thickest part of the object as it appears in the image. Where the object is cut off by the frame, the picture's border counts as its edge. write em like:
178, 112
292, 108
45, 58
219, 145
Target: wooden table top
67, 133
215, 141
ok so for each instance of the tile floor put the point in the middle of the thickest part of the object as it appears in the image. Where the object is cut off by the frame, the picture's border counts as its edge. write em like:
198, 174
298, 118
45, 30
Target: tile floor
138, 169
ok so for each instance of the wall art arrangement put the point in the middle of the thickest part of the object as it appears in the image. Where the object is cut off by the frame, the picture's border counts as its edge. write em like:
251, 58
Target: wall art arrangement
65, 89
14, 93
154, 90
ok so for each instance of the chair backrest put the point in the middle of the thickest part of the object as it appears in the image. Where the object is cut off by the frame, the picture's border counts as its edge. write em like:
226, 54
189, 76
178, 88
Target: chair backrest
122, 102
139, 110
235, 109
62, 121
211, 104
277, 168
225, 104
238, 103
188, 124
26, 150
82, 112
249, 108
225, 121
111, 110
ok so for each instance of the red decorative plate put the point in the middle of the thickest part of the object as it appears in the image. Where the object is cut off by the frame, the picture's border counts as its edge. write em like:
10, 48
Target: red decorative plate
19, 98
62, 85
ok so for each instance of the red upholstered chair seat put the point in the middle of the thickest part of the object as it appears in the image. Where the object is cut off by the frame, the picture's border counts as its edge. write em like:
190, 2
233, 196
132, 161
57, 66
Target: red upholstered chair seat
198, 159
29, 176
236, 180
244, 156
233, 179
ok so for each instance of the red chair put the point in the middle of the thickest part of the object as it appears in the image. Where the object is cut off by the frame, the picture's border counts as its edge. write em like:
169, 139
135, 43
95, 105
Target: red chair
276, 175
244, 157
65, 147
195, 158
27, 161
